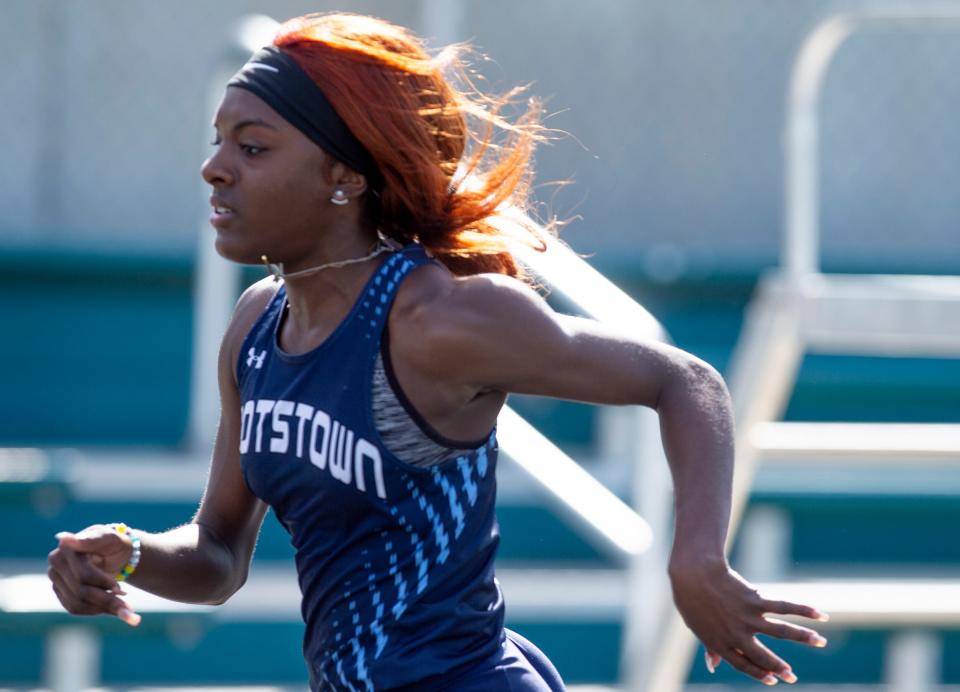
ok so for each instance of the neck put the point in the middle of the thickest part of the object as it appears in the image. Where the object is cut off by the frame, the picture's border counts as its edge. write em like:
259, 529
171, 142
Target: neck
328, 281
278, 272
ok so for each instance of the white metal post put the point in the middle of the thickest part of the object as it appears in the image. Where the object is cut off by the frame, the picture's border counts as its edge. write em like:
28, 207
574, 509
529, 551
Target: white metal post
912, 661
801, 251
764, 552
441, 21
72, 659
649, 601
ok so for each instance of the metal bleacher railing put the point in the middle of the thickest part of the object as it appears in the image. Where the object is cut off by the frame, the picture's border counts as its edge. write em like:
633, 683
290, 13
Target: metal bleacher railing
796, 309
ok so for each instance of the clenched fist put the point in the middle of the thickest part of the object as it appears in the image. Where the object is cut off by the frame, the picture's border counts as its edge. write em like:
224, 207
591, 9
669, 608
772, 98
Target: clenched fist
83, 570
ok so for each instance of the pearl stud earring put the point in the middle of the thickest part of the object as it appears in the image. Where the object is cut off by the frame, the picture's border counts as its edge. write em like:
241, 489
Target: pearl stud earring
339, 198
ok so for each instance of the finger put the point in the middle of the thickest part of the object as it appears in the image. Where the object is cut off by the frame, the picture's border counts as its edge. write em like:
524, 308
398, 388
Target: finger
84, 572
129, 617
83, 599
62, 588
98, 543
785, 630
108, 603
76, 569
100, 600
70, 602
61, 574
764, 658
747, 667
788, 608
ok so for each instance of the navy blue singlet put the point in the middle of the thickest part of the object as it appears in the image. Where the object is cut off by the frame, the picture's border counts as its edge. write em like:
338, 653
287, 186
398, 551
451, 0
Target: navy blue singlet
395, 562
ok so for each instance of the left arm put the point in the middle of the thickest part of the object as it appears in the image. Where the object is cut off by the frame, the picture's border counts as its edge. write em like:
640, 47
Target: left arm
696, 423
492, 332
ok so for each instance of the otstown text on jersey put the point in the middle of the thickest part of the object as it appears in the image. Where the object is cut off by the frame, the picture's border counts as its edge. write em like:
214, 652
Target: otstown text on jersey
326, 442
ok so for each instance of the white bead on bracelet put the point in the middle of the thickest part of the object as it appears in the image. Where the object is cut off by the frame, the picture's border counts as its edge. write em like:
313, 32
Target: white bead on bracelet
134, 560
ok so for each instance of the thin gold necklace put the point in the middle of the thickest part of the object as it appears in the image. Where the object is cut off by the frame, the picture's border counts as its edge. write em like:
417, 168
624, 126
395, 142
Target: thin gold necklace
277, 269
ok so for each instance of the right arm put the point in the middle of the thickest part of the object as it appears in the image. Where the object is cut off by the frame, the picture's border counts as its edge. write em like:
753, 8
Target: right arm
205, 561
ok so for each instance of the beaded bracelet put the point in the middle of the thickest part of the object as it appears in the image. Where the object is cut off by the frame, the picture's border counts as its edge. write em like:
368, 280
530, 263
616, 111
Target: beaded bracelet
131, 565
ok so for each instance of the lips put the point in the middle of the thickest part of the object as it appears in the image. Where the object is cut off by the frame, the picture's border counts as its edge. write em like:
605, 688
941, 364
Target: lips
222, 211
219, 205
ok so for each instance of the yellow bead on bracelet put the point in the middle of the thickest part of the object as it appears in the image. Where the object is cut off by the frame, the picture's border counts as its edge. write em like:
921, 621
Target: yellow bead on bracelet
131, 565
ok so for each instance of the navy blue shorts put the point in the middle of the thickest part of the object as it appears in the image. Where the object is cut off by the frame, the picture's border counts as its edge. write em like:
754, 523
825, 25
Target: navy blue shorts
520, 667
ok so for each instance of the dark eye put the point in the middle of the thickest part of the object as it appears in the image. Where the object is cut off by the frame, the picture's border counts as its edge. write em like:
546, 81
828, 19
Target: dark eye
250, 149
215, 142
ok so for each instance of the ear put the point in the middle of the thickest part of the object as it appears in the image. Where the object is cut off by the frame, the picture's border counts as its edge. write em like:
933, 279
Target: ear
352, 183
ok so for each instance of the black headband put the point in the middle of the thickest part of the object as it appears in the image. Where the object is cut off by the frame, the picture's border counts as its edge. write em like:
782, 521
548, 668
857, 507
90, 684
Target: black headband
289, 90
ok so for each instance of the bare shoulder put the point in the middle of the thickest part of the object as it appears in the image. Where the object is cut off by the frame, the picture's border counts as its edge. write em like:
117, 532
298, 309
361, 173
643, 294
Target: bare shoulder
442, 324
253, 301
490, 332
251, 304
433, 302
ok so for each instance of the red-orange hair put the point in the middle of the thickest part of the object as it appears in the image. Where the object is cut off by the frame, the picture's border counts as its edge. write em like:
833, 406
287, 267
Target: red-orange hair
442, 183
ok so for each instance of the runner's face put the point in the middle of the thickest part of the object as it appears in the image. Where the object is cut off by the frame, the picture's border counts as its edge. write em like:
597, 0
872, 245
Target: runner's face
270, 195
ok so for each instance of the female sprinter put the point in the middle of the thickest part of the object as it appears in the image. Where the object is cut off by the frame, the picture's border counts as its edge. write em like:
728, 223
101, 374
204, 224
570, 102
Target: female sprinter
360, 393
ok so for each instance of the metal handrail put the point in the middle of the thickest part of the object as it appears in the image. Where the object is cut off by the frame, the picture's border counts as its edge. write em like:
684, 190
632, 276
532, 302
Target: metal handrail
802, 243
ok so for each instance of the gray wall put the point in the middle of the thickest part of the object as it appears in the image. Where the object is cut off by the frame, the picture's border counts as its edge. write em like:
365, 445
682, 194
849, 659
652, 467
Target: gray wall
674, 109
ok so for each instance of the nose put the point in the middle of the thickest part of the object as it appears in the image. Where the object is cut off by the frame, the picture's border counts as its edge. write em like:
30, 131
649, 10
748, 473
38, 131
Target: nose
215, 170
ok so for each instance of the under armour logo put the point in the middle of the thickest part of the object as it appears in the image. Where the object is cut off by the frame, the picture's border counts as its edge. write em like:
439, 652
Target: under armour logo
252, 358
